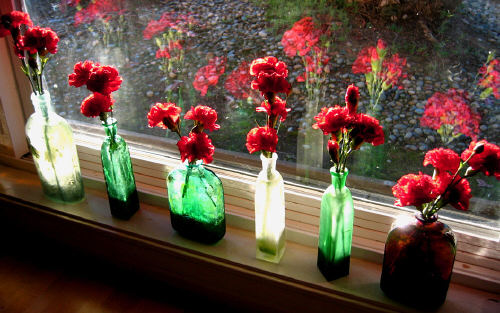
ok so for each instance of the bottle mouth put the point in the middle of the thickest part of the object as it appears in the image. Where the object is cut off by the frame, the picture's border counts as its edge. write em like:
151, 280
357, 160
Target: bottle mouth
419, 216
109, 121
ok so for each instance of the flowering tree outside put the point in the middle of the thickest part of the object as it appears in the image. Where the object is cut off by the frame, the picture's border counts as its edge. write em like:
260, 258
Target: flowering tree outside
451, 115
381, 71
104, 17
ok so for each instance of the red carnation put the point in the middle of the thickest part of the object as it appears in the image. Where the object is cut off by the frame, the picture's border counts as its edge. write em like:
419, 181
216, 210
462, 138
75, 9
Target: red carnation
262, 139
18, 18
81, 73
270, 75
487, 161
38, 39
204, 116
366, 129
331, 120
277, 109
197, 146
416, 190
104, 80
352, 99
333, 150
458, 195
237, 81
165, 115
442, 159
95, 104
209, 75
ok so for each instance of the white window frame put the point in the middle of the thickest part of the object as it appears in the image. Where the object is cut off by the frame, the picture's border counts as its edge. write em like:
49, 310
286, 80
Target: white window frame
478, 250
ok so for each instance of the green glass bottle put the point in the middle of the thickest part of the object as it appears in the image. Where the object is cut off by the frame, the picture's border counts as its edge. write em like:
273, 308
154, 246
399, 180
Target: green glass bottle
335, 229
51, 144
196, 199
118, 173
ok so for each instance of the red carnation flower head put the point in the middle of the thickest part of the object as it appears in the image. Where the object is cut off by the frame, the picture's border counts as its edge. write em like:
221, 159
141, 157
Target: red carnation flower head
487, 161
366, 129
104, 80
381, 45
458, 195
95, 104
14, 19
443, 160
333, 150
332, 119
278, 108
196, 146
165, 115
301, 37
413, 189
81, 73
204, 117
262, 139
38, 39
270, 76
352, 99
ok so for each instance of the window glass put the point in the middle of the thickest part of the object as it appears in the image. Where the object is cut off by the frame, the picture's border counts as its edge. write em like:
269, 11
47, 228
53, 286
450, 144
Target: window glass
437, 92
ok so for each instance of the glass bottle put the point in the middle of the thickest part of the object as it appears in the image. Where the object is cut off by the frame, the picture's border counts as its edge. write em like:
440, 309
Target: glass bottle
418, 262
196, 199
118, 173
50, 140
335, 229
270, 211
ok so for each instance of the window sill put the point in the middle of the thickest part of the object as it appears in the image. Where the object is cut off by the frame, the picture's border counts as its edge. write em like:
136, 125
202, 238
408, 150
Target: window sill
148, 244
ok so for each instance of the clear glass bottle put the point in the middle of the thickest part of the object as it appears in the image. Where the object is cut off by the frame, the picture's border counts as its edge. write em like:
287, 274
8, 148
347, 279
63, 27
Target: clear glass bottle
118, 173
196, 199
270, 211
418, 262
50, 140
335, 229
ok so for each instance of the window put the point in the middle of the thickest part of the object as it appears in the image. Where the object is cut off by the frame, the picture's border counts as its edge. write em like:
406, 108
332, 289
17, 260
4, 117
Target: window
159, 47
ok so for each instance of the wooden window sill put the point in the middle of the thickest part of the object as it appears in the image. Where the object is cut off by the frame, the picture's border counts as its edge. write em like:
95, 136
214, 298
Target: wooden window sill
227, 269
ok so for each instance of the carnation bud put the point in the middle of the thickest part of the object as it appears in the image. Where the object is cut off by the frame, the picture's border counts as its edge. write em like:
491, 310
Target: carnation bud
479, 148
470, 172
351, 99
333, 150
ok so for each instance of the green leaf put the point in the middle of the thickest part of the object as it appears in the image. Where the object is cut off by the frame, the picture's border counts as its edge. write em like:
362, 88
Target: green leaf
486, 93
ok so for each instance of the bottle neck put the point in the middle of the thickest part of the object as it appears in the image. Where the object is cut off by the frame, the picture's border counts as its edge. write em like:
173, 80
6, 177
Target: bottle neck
269, 164
339, 179
110, 128
42, 103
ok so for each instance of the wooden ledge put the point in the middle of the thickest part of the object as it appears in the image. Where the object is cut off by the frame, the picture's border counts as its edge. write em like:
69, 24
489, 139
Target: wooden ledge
227, 270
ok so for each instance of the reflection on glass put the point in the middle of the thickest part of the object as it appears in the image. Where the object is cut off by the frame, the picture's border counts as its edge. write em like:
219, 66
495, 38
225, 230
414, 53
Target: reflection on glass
436, 50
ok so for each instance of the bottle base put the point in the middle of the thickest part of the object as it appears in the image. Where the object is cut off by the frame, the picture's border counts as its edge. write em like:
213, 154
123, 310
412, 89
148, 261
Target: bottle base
124, 209
270, 251
198, 231
331, 270
68, 198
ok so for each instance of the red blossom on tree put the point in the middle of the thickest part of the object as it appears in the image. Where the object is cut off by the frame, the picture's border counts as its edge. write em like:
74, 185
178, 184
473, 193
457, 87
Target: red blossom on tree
209, 75
204, 117
278, 108
352, 99
416, 190
196, 146
270, 76
486, 159
262, 139
81, 73
38, 40
95, 104
331, 120
442, 159
165, 115
104, 79
237, 82
451, 114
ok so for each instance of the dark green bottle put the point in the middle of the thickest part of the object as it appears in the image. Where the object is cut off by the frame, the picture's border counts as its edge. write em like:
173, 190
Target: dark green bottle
118, 173
335, 229
196, 199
